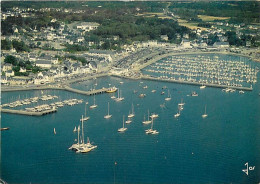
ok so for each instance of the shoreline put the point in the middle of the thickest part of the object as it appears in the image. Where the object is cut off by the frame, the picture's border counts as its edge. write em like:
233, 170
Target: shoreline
63, 86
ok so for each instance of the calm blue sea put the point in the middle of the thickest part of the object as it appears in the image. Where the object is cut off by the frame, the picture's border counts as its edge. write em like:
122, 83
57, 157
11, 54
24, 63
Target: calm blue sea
188, 149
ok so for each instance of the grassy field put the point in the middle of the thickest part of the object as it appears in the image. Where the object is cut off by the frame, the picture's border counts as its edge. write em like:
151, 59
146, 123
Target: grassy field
190, 25
211, 18
160, 15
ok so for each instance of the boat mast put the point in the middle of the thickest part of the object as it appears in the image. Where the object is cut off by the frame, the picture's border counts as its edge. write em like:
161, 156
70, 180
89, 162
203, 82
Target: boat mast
123, 121
85, 110
148, 115
82, 130
108, 108
78, 133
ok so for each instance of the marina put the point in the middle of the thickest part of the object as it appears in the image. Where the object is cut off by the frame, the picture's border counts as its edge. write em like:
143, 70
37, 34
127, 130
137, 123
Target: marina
204, 70
158, 138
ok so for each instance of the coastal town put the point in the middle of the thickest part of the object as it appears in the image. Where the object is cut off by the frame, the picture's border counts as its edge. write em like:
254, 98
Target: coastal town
49, 61
167, 91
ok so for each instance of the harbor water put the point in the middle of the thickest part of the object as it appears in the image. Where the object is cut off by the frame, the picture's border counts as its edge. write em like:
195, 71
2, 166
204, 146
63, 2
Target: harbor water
188, 149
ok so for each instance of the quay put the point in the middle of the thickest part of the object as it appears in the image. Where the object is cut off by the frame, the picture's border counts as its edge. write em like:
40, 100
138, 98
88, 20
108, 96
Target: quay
23, 112
91, 92
196, 83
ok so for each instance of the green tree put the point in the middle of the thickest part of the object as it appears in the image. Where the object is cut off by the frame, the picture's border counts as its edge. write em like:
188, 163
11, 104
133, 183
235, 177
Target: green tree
5, 45
16, 68
20, 46
11, 59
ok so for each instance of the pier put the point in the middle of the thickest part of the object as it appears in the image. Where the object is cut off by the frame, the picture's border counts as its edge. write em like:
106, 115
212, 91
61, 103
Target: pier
196, 83
23, 112
91, 92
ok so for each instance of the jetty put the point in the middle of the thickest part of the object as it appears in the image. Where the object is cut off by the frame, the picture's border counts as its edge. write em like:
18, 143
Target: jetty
23, 112
195, 83
90, 92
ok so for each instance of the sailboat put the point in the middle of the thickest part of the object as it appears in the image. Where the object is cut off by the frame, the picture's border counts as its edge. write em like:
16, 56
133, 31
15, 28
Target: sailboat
94, 105
169, 96
108, 115
75, 129
85, 118
82, 148
123, 128
202, 87
128, 120
147, 121
151, 131
154, 115
205, 114
132, 114
178, 114
119, 97
54, 131
77, 145
181, 104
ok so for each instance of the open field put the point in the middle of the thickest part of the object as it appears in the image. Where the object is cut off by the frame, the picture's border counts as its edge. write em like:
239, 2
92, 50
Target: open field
149, 14
212, 18
190, 25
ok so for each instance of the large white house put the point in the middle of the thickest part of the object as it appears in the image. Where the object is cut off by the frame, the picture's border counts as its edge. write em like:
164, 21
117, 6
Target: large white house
88, 26
43, 63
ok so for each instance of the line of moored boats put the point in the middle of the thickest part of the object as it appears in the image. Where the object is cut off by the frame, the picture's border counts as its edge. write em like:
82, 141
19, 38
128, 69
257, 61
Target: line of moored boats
205, 69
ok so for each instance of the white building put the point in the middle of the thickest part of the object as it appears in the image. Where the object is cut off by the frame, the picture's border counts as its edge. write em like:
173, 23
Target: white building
88, 26
43, 63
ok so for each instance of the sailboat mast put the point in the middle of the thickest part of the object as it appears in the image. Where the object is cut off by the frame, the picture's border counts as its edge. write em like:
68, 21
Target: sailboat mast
148, 115
78, 133
85, 110
107, 108
123, 121
82, 130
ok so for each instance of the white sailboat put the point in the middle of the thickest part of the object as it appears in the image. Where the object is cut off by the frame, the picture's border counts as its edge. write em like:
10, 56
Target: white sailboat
77, 145
169, 96
154, 115
123, 129
182, 103
119, 96
177, 114
205, 114
84, 148
54, 131
151, 131
85, 118
128, 120
94, 105
108, 115
147, 121
202, 87
132, 114
75, 129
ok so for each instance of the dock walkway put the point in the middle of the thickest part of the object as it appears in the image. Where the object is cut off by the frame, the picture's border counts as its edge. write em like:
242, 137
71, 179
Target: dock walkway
91, 92
196, 83
23, 112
